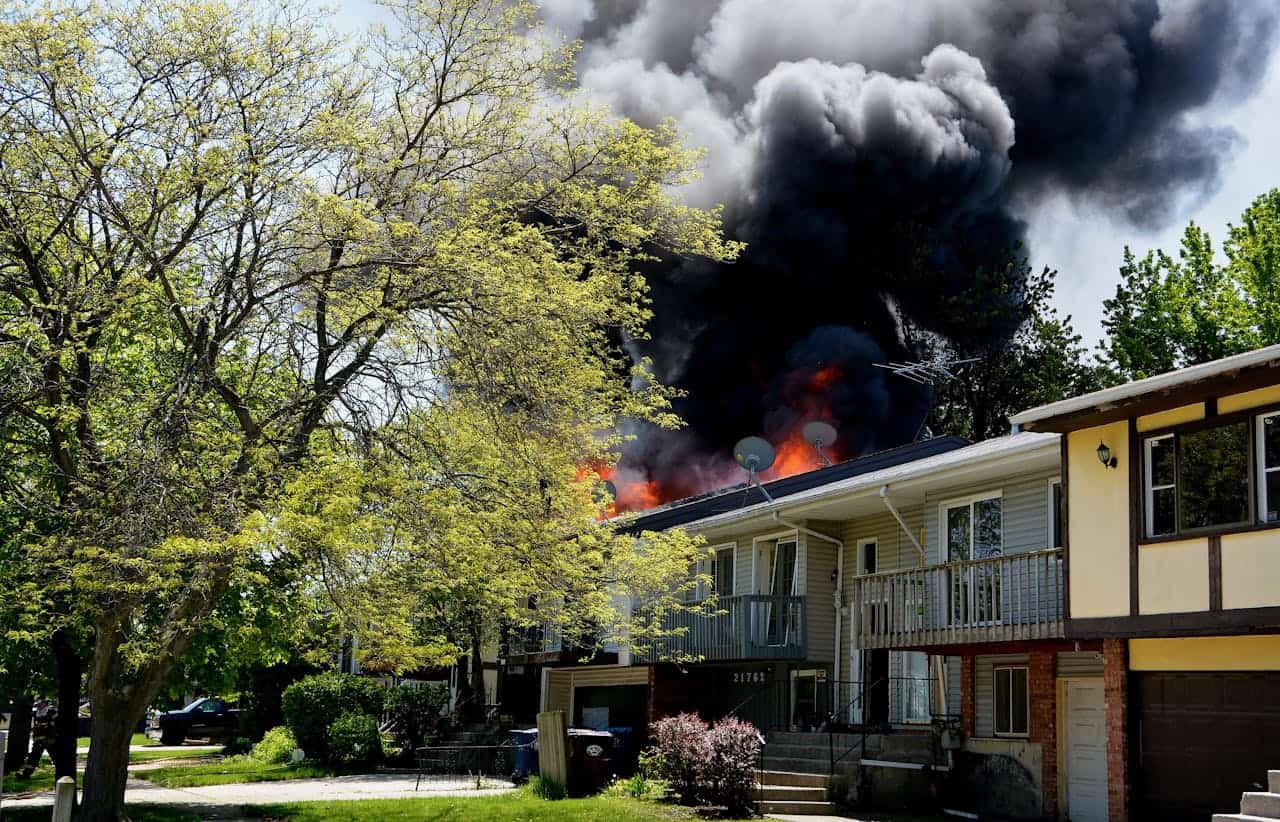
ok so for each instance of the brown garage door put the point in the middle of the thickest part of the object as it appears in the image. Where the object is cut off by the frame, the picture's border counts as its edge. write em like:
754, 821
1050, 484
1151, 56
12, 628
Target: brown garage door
1202, 739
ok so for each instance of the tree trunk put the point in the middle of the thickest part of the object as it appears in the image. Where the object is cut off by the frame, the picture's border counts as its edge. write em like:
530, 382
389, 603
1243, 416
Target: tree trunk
70, 671
108, 767
19, 734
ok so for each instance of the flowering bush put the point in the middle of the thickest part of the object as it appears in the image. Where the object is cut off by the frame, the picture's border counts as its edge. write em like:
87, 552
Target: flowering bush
735, 750
685, 746
713, 765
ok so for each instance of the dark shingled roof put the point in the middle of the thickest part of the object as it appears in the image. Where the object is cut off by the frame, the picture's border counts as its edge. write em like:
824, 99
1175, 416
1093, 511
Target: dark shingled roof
740, 496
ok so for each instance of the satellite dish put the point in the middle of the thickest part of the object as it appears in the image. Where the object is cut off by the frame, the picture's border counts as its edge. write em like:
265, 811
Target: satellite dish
820, 434
754, 453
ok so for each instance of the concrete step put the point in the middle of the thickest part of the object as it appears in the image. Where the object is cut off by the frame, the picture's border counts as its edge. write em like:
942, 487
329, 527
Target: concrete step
798, 808
791, 793
796, 779
1261, 804
1273, 781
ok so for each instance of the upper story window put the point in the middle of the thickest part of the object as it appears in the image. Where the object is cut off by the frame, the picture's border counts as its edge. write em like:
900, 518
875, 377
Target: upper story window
1198, 478
973, 528
722, 572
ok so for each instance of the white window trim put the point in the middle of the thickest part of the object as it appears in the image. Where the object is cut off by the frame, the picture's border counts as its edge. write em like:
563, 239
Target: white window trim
1149, 488
995, 700
944, 550
1054, 511
1260, 457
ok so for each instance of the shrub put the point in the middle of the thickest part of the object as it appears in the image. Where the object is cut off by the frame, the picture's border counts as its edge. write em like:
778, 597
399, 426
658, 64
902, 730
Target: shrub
276, 747
735, 752
415, 713
354, 739
683, 742
312, 705
547, 788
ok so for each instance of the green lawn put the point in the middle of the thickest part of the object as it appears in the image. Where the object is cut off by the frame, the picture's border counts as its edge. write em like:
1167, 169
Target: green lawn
232, 770
513, 807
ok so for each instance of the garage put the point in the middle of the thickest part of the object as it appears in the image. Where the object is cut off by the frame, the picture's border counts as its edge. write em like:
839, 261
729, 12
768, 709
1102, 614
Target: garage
1200, 739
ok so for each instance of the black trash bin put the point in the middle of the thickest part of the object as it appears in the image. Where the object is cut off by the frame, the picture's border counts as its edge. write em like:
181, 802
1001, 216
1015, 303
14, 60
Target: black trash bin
590, 761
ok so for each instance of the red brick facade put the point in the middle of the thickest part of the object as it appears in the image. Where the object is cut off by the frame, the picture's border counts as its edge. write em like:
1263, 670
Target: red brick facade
1115, 654
1042, 693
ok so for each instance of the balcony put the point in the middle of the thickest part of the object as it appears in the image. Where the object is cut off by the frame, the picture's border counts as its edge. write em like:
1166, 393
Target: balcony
749, 627
997, 599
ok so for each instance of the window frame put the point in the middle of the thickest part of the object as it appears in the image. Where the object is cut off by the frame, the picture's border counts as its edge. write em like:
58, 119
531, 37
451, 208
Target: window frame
970, 500
1253, 522
995, 700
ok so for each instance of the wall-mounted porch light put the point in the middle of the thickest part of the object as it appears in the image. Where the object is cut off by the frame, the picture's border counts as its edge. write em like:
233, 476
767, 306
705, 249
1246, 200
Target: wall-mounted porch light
1104, 456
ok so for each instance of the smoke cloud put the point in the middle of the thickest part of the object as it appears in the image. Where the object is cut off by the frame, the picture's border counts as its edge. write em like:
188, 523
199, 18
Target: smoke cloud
879, 158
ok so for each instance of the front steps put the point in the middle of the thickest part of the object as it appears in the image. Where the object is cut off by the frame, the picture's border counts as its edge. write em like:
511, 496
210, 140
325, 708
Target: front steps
1257, 806
795, 793
797, 777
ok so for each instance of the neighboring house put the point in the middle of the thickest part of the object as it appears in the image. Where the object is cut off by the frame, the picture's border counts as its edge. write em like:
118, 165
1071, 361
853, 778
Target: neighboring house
1172, 542
909, 593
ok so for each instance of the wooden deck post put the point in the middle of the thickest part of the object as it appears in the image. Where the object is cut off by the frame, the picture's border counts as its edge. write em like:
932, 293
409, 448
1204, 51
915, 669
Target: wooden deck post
553, 746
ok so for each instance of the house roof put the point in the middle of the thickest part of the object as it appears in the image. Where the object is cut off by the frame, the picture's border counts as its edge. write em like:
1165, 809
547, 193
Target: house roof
919, 462
1196, 383
747, 497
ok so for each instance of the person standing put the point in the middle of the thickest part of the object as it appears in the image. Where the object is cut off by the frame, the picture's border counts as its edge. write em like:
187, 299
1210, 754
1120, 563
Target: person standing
43, 732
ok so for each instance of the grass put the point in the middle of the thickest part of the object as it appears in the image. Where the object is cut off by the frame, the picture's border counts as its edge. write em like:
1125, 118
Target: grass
137, 813
230, 771
513, 807
136, 739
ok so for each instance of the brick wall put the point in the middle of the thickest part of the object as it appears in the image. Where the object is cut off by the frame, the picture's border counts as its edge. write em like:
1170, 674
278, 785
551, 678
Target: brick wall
968, 706
1115, 655
1042, 692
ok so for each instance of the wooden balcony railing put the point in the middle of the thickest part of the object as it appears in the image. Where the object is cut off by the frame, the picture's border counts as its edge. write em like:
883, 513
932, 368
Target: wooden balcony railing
752, 626
1015, 597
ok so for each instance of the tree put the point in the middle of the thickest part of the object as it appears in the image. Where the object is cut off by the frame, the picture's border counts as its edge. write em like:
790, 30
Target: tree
1043, 361
1170, 313
234, 258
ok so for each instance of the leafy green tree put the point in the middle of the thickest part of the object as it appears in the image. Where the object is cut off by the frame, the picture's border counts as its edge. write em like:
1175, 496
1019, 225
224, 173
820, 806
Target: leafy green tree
1169, 313
235, 258
1044, 360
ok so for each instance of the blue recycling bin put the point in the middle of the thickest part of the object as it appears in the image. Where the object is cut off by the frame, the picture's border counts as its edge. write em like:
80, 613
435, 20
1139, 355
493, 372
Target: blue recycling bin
526, 753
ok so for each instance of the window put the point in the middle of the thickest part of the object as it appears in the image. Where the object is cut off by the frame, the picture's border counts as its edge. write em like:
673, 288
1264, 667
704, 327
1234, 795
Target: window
722, 572
1197, 479
1268, 436
1011, 701
1055, 514
973, 528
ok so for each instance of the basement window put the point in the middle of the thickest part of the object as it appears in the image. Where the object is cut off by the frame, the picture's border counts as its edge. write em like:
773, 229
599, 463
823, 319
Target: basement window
1011, 701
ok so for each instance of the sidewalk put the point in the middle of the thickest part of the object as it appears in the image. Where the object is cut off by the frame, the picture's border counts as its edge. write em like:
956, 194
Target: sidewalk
227, 799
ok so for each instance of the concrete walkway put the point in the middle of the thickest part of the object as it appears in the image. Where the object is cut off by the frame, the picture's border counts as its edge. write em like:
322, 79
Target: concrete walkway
225, 801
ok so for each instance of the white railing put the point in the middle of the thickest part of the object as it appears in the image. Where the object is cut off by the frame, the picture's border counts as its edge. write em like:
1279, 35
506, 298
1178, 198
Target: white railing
997, 598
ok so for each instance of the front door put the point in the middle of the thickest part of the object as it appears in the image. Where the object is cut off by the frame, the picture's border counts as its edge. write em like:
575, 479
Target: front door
1086, 750
875, 678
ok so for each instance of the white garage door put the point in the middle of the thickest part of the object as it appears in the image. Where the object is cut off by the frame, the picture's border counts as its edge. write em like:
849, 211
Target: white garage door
1086, 750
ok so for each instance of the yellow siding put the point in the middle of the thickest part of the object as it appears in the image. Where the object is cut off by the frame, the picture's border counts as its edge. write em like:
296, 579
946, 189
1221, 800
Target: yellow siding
1249, 399
1173, 416
1173, 577
1251, 569
1098, 512
1209, 653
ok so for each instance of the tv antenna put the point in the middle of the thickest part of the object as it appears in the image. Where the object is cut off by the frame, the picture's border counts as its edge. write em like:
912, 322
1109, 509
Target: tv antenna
820, 434
926, 371
755, 454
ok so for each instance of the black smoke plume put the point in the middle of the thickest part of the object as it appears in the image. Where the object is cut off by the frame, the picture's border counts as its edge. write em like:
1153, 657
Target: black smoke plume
880, 157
